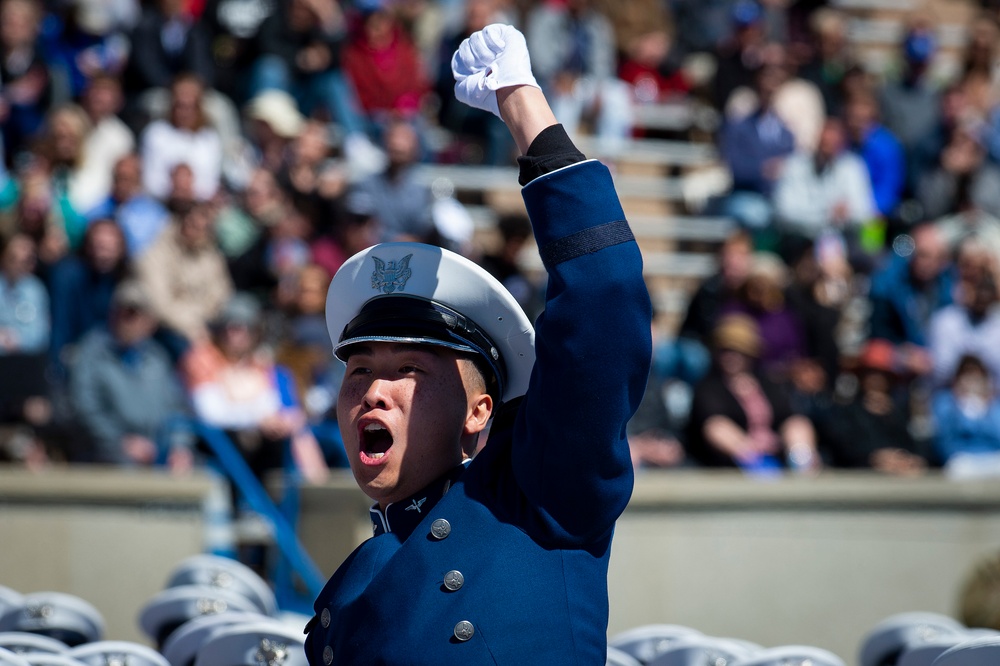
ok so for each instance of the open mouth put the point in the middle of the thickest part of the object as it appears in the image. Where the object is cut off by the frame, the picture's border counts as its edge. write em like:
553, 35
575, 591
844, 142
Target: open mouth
376, 440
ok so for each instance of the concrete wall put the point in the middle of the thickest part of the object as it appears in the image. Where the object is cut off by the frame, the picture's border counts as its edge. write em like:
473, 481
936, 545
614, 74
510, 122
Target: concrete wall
815, 561
108, 536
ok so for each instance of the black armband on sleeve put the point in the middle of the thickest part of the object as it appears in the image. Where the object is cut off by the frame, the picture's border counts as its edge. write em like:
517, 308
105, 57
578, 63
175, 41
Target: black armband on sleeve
552, 149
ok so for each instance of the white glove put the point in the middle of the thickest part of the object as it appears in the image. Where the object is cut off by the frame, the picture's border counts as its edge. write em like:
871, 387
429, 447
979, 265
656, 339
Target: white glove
493, 58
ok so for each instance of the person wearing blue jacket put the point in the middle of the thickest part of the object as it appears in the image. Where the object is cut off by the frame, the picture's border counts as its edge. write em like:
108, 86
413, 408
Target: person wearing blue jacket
495, 554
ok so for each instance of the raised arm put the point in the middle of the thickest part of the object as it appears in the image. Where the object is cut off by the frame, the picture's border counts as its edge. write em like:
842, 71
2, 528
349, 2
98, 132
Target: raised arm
569, 452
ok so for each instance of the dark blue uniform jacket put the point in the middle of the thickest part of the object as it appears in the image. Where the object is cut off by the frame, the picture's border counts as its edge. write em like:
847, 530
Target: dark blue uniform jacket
530, 519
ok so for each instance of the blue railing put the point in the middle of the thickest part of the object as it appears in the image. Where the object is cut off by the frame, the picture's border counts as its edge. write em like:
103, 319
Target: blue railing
294, 561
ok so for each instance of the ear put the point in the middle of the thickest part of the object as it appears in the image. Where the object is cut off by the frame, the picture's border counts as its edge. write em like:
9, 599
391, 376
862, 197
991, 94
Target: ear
480, 410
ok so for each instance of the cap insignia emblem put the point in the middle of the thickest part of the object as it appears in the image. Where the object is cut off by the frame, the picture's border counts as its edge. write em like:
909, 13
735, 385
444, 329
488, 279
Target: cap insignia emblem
392, 275
271, 653
116, 660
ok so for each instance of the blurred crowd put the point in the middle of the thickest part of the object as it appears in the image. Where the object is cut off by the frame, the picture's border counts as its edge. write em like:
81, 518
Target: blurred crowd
179, 179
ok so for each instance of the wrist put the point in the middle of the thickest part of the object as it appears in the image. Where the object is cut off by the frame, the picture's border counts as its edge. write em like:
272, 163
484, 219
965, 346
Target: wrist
526, 112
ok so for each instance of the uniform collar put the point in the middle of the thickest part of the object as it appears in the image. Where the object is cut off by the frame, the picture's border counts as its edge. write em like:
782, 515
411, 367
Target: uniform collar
402, 517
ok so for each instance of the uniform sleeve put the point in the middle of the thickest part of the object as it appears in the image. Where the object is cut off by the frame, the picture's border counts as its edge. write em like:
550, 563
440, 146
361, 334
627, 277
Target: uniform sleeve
593, 347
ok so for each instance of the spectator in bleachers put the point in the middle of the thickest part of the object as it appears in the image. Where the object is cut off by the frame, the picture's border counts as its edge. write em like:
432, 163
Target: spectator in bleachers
819, 295
979, 63
967, 412
34, 214
63, 162
281, 249
573, 53
24, 336
971, 325
402, 203
354, 227
762, 299
473, 125
832, 57
310, 176
243, 219
925, 155
754, 148
83, 40
109, 139
185, 275
911, 102
384, 65
905, 294
141, 217
305, 350
879, 148
167, 42
741, 54
25, 324
23, 75
649, 58
124, 388
235, 27
81, 286
274, 122
962, 176
235, 385
301, 47
824, 192
183, 137
871, 430
716, 293
504, 263
739, 418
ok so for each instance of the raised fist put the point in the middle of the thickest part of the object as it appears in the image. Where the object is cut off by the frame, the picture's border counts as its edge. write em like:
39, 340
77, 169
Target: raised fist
493, 58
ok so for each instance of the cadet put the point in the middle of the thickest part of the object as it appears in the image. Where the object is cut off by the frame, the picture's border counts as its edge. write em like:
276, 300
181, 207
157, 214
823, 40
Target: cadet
502, 559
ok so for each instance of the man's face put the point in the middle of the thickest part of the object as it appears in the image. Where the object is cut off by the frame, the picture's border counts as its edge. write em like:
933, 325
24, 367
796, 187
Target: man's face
403, 410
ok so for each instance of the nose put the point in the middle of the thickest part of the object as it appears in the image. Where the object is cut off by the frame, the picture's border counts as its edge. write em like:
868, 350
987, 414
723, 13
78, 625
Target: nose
377, 395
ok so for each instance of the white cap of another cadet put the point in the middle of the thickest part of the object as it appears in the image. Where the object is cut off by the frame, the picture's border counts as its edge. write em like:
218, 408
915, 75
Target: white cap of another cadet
791, 655
23, 642
182, 647
172, 607
65, 617
103, 653
227, 574
898, 633
421, 294
982, 651
618, 658
698, 650
8, 658
9, 598
268, 643
649, 640
39, 659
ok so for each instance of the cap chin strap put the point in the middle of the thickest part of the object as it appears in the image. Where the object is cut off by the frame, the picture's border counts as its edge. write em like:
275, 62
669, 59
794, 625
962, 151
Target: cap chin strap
416, 320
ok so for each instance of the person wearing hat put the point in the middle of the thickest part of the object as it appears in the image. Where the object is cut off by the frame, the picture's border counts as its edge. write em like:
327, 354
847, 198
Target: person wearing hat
235, 385
123, 387
505, 555
739, 418
870, 430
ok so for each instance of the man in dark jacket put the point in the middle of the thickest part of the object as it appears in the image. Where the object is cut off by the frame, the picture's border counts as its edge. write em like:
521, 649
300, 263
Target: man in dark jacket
504, 556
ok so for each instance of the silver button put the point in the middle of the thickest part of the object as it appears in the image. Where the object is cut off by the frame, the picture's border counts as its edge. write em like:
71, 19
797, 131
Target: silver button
440, 528
454, 580
328, 655
324, 618
464, 630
